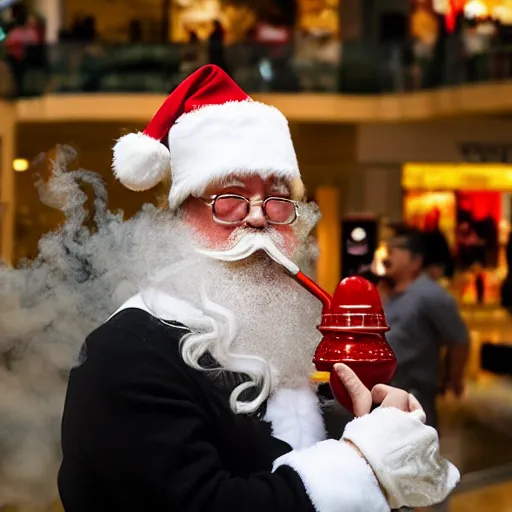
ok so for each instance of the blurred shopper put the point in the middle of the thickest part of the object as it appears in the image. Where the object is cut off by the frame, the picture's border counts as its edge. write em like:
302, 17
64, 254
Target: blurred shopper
383, 283
217, 47
135, 32
423, 318
438, 261
19, 38
506, 287
192, 54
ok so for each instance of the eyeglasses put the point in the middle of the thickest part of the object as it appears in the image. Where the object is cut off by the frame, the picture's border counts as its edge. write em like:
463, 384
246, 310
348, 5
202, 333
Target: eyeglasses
232, 209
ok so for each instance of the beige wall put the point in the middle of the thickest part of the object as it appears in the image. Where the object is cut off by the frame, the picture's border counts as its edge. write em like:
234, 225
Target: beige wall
7, 141
428, 141
326, 153
327, 160
382, 194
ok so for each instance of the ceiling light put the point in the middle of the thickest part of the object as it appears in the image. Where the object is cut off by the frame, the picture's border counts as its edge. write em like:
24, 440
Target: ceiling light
20, 164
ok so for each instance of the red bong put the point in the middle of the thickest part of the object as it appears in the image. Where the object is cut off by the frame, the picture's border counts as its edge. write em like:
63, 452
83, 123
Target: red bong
353, 327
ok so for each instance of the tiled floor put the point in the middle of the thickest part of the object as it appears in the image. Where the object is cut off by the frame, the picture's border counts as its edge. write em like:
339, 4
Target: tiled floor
496, 498
475, 446
476, 432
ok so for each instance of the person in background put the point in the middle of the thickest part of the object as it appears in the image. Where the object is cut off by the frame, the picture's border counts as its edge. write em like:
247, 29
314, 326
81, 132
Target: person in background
216, 47
383, 283
423, 318
135, 32
38, 24
191, 54
506, 287
438, 261
20, 36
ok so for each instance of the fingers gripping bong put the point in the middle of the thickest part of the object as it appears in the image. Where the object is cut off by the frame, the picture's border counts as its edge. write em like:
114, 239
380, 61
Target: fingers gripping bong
381, 395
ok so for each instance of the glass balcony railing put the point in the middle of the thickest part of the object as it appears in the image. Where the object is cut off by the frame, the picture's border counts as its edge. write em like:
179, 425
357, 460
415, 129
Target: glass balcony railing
350, 68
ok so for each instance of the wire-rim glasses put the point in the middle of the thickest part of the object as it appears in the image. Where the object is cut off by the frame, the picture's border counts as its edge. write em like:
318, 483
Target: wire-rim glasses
233, 209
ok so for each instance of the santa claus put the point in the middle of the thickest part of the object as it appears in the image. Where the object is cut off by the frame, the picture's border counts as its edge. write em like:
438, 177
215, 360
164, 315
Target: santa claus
196, 394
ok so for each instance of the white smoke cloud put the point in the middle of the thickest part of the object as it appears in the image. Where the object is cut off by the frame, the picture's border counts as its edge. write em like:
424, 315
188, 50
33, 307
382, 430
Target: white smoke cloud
48, 306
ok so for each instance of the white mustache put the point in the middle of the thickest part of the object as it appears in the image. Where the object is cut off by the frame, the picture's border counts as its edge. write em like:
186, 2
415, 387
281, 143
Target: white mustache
249, 244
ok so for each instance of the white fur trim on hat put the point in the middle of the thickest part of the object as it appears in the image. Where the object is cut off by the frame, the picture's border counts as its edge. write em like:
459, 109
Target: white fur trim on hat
140, 162
242, 138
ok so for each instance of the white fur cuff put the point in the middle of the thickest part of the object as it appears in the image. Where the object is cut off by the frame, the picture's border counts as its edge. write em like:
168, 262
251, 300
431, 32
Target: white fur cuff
404, 455
336, 478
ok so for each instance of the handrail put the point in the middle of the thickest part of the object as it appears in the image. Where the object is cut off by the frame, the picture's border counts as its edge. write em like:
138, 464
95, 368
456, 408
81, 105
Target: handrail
349, 68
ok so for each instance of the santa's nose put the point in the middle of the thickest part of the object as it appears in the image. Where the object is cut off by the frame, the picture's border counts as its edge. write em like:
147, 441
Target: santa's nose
256, 217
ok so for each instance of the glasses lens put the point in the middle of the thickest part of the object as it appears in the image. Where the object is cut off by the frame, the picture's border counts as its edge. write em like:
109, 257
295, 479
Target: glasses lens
228, 208
280, 211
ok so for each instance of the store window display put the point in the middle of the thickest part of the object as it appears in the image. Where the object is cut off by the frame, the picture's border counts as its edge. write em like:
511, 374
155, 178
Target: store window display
318, 44
239, 19
470, 204
266, 45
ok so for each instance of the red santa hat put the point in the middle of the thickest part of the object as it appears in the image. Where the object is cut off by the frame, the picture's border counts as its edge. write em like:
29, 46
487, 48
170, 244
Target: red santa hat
206, 130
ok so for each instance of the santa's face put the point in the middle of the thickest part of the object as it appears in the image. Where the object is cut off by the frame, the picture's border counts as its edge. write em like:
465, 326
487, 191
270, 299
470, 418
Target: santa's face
217, 223
255, 319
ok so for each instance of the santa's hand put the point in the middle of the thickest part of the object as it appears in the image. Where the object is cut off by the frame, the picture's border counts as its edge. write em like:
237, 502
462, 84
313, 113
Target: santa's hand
385, 396
359, 394
401, 450
388, 396
404, 455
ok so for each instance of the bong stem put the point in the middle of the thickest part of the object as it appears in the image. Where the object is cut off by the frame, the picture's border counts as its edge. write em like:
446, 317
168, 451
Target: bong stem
316, 290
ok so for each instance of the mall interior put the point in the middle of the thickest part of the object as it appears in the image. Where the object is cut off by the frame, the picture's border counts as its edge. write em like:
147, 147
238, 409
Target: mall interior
400, 112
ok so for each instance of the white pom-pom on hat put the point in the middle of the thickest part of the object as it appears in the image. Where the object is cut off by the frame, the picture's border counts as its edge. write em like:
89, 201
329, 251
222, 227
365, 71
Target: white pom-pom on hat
140, 161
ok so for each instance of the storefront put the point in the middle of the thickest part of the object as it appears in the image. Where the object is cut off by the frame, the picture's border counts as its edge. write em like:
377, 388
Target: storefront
455, 176
456, 12
471, 205
499, 10
240, 20
260, 20
459, 40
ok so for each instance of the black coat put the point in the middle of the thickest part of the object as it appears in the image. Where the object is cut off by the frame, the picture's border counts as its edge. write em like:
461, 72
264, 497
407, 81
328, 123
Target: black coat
144, 432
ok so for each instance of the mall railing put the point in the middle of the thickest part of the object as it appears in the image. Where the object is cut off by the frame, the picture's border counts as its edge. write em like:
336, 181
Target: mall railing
350, 68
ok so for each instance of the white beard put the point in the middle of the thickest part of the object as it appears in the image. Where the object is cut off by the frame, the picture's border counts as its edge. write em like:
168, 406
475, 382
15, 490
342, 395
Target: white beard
262, 323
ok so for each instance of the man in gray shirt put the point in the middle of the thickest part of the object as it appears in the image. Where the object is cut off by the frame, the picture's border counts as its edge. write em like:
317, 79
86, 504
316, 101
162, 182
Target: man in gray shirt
423, 318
